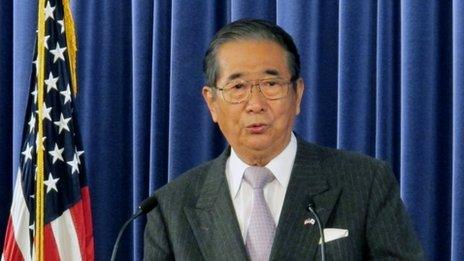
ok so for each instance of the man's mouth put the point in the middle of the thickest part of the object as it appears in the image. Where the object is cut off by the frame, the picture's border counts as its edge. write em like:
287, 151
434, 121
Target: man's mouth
257, 128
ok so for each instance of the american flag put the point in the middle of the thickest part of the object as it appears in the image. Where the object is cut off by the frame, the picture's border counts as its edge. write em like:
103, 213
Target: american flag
67, 230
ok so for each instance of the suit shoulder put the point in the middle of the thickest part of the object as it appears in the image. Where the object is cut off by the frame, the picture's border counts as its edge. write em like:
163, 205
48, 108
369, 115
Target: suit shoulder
340, 157
185, 189
343, 166
188, 181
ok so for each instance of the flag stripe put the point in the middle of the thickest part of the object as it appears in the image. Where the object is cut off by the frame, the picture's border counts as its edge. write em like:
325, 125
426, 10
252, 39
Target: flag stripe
50, 247
65, 233
11, 248
20, 220
81, 215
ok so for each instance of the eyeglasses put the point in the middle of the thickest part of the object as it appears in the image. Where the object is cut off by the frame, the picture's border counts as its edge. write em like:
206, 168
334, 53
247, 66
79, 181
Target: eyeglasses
239, 91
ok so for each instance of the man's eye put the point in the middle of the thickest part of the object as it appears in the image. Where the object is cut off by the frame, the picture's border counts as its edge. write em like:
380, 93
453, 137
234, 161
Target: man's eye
270, 83
238, 86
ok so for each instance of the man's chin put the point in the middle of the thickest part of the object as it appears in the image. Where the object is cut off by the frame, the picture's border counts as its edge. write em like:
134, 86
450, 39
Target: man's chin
260, 144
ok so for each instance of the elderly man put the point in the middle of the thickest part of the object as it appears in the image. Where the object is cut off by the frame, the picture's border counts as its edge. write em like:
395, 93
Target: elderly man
251, 202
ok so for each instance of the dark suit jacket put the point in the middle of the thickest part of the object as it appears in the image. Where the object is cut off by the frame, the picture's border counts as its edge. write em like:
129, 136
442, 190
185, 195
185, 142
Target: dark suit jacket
195, 219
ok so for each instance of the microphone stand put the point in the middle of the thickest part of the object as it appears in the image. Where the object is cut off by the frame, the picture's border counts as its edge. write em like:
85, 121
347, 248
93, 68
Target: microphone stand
321, 230
121, 231
146, 206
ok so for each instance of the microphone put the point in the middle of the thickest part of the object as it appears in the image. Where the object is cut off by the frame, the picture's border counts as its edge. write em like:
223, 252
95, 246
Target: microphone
311, 208
148, 204
144, 207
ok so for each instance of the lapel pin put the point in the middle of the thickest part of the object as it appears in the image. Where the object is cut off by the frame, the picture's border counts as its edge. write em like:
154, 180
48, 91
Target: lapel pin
309, 221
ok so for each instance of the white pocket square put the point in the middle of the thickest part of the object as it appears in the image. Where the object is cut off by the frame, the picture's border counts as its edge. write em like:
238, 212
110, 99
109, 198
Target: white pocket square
331, 234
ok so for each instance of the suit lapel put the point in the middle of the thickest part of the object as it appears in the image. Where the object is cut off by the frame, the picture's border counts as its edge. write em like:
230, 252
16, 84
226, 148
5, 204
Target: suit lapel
308, 181
213, 220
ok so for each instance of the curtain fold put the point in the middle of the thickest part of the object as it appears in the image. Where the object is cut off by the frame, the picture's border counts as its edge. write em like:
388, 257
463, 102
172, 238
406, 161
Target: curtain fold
105, 111
356, 76
261, 9
159, 98
384, 78
6, 110
387, 78
314, 26
186, 106
457, 187
142, 44
426, 120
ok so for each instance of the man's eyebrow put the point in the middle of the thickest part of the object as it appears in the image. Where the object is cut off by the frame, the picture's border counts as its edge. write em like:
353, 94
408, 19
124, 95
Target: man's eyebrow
234, 76
272, 72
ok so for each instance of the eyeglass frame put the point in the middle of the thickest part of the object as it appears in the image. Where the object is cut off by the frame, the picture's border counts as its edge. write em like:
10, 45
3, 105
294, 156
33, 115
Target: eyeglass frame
258, 84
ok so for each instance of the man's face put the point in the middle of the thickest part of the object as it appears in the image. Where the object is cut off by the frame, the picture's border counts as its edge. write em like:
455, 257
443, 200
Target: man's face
258, 129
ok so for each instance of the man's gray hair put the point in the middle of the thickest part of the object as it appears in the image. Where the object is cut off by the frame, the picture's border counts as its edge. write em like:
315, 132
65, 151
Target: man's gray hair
250, 29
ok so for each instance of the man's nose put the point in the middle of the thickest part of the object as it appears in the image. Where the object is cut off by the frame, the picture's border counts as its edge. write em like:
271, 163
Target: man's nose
256, 102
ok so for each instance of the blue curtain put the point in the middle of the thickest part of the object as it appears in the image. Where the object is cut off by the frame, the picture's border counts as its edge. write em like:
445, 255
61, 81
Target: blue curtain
384, 77
6, 113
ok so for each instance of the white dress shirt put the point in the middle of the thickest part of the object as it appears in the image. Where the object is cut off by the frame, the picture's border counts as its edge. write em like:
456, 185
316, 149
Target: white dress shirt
274, 192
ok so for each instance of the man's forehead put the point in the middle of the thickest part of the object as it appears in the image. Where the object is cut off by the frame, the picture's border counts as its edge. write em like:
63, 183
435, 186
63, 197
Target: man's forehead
251, 57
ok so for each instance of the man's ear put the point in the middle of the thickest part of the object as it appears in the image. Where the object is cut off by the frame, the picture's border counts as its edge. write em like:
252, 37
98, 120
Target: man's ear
210, 99
299, 90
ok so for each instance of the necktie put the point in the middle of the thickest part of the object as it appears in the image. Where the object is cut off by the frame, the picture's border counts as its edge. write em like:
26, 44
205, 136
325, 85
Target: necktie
261, 226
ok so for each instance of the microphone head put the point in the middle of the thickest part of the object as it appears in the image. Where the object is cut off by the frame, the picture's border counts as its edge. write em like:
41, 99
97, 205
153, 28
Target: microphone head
310, 203
148, 204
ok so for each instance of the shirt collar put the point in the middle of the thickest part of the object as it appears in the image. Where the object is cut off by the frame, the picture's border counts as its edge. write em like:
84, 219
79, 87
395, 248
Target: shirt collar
281, 166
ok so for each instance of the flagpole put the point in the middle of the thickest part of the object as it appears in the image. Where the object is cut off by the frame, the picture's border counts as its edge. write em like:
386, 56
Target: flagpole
39, 195
71, 43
